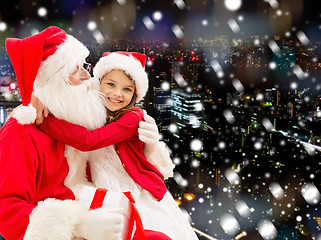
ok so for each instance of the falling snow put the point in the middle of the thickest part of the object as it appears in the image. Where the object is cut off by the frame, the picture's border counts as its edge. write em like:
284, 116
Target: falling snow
233, 25
239, 181
266, 229
229, 223
233, 5
178, 31
42, 12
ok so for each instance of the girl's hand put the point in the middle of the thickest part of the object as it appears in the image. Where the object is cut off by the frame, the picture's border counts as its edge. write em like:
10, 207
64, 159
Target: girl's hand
148, 133
42, 111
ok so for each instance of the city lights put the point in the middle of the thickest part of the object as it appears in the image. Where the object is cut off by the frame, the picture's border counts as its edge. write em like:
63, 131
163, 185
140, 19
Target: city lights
189, 196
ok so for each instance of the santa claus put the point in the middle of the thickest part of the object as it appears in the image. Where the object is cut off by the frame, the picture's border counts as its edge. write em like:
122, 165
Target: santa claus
41, 177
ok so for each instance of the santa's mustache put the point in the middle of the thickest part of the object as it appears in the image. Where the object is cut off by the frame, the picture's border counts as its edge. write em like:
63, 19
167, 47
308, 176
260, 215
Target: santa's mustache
81, 104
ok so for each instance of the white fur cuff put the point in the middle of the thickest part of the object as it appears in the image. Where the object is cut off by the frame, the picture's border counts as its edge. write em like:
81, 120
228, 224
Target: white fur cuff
161, 160
54, 219
25, 114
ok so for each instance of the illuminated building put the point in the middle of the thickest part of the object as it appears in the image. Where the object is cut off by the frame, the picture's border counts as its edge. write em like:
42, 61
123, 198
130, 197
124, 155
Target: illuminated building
187, 109
162, 101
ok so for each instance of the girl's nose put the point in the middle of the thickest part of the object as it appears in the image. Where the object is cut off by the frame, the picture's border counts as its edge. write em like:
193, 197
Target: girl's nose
117, 92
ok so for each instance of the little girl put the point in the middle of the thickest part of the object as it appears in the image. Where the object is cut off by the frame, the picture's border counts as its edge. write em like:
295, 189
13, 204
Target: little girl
123, 82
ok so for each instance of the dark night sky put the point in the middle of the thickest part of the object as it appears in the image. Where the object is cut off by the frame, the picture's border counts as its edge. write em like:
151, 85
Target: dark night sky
259, 18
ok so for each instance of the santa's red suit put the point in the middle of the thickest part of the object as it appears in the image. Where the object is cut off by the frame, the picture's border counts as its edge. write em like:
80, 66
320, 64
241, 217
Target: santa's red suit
33, 168
33, 171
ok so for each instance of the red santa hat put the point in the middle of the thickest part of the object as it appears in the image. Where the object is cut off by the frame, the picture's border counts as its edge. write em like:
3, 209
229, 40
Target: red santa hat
132, 63
39, 58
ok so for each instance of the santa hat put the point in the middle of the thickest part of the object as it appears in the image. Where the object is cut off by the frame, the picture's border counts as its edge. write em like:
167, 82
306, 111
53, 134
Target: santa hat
39, 58
132, 63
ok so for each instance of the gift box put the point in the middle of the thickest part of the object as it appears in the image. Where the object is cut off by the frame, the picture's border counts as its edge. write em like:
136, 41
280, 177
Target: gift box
97, 197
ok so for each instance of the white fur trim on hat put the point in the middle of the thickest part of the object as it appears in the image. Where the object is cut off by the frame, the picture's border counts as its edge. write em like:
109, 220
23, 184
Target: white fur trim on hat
70, 54
25, 114
129, 65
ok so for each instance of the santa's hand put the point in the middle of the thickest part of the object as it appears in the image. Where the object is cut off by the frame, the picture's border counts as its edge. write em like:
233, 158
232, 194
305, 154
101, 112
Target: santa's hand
40, 108
148, 133
101, 224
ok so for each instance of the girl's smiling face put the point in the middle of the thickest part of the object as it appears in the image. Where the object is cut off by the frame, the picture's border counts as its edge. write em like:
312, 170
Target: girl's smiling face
118, 90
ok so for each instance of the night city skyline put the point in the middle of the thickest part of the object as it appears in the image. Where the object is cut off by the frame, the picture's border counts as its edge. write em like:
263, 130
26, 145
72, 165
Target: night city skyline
235, 93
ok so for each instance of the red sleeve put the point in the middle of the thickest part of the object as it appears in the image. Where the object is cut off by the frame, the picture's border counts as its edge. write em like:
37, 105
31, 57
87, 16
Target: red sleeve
17, 183
87, 140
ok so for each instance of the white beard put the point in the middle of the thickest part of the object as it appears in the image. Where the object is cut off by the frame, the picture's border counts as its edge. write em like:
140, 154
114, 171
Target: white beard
82, 105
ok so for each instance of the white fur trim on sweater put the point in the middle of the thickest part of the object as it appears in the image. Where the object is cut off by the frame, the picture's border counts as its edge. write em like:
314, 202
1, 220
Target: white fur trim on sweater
76, 178
129, 65
54, 219
160, 158
25, 114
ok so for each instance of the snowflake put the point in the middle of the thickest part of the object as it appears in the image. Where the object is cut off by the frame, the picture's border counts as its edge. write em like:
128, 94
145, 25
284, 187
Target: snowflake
222, 145
178, 31
276, 191
195, 163
302, 38
273, 3
229, 116
3, 26
267, 124
176, 161
232, 176
204, 22
233, 25
238, 85
180, 180
242, 208
294, 85
196, 145
42, 12
121, 2
272, 65
297, 70
98, 37
180, 4
229, 224
266, 229
173, 128
258, 146
233, 5
310, 193
91, 25
180, 80
274, 47
150, 63
157, 16
148, 23
217, 68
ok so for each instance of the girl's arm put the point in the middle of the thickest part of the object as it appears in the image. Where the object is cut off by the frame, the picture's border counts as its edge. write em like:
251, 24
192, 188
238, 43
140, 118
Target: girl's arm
87, 140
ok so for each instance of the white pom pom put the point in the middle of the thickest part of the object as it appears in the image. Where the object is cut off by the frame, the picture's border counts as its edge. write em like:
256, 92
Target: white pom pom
25, 114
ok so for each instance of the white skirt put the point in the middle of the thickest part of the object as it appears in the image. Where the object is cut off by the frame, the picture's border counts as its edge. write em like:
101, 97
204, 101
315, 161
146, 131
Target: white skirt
164, 216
